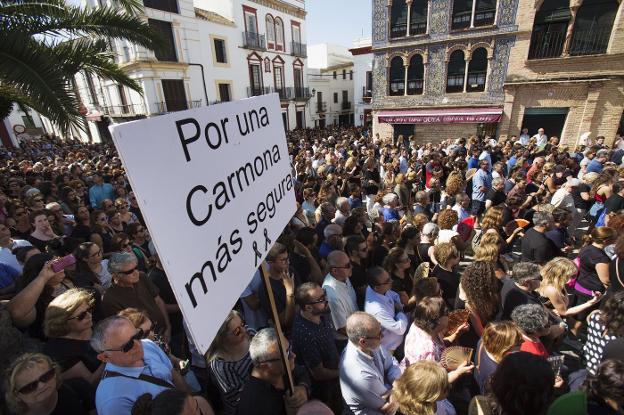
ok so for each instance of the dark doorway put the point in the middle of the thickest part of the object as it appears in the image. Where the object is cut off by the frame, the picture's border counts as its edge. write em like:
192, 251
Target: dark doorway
551, 120
343, 120
403, 129
321, 123
285, 120
300, 119
102, 127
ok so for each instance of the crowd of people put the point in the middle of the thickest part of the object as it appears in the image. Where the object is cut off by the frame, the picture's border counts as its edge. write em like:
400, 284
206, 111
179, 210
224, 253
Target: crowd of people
469, 276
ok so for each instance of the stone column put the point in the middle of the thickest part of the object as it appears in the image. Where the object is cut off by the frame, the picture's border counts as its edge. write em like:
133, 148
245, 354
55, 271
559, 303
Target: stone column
466, 73
406, 66
409, 15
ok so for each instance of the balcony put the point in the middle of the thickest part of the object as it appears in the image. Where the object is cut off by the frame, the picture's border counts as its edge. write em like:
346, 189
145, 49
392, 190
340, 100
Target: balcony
164, 107
346, 105
590, 42
254, 91
285, 94
546, 45
301, 93
321, 107
299, 49
398, 30
127, 110
253, 40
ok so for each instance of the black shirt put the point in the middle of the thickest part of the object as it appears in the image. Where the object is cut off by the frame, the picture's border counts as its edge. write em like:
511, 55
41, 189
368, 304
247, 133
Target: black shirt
159, 278
449, 281
512, 297
404, 284
537, 248
69, 352
75, 397
588, 278
496, 196
614, 203
579, 202
358, 280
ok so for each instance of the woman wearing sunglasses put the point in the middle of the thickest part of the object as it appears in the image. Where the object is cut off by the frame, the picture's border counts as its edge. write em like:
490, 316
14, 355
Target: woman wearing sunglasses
32, 385
229, 359
68, 325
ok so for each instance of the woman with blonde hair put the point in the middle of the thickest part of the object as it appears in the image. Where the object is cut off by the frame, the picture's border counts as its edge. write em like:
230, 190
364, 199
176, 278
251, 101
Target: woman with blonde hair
498, 339
422, 390
68, 326
556, 274
493, 219
489, 251
32, 385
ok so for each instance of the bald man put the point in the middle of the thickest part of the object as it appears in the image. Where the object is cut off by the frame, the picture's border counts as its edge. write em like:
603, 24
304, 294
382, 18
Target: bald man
340, 292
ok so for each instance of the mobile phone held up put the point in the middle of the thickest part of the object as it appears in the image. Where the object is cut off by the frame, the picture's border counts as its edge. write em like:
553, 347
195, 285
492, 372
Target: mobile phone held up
60, 264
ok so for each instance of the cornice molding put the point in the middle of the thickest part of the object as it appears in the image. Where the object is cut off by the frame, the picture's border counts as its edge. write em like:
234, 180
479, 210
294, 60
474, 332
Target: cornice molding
283, 7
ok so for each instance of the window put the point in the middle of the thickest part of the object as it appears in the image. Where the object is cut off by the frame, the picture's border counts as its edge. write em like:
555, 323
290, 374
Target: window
398, 19
397, 76
368, 92
220, 55
484, 13
279, 34
270, 31
335, 75
267, 65
477, 71
251, 20
167, 51
351, 75
344, 74
164, 5
456, 72
549, 29
278, 75
418, 17
175, 97
592, 27
224, 92
335, 97
462, 14
415, 75
255, 78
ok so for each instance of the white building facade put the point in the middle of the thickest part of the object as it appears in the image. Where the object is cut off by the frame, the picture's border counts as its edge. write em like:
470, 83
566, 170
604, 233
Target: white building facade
208, 57
22, 123
363, 81
331, 80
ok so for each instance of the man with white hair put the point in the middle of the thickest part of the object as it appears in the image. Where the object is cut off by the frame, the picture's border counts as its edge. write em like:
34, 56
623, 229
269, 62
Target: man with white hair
134, 366
367, 370
597, 163
541, 138
332, 240
265, 390
340, 292
496, 195
343, 208
390, 211
564, 198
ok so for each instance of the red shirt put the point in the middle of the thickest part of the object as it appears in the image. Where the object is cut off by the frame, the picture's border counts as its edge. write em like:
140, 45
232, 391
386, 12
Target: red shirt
537, 348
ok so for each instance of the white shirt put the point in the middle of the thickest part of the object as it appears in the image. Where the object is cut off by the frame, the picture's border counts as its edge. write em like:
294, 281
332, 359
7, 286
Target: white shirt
341, 298
461, 212
541, 139
524, 139
563, 199
393, 324
7, 257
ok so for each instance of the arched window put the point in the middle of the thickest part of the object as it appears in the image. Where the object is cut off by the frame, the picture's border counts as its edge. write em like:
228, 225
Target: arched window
592, 27
398, 19
462, 14
455, 72
418, 17
270, 31
549, 29
415, 75
477, 71
279, 34
397, 76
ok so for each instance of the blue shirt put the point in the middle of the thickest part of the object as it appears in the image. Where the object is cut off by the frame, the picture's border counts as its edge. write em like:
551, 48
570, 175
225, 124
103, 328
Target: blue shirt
393, 324
511, 162
473, 163
117, 395
365, 378
481, 178
594, 166
7, 275
97, 193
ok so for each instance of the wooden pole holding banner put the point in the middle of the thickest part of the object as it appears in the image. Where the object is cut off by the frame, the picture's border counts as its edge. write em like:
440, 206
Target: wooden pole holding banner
264, 271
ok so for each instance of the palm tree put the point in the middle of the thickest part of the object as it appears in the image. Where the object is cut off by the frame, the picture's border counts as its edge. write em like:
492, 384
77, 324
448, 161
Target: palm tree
44, 43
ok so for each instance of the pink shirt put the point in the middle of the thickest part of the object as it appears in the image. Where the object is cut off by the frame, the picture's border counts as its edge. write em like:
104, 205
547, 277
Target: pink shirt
419, 345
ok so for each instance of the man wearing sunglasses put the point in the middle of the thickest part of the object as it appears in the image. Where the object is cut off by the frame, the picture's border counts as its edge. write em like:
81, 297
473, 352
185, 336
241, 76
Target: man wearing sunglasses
385, 305
265, 391
134, 366
313, 341
340, 293
367, 370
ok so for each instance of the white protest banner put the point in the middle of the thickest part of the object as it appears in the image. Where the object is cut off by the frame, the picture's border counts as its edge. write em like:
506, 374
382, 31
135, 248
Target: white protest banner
216, 189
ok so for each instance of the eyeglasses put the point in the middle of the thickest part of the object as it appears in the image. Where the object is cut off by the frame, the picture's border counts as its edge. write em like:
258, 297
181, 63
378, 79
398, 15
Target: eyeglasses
126, 347
348, 266
129, 272
322, 300
288, 351
81, 316
99, 252
32, 386
384, 283
378, 337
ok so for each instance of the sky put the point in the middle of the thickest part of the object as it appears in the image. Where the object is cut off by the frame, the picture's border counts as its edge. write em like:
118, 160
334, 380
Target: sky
337, 21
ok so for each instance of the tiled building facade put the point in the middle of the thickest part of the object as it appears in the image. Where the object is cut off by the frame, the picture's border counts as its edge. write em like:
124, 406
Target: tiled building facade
464, 47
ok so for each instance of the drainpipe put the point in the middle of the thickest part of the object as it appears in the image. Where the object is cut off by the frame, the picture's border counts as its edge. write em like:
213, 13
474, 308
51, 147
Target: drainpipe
203, 78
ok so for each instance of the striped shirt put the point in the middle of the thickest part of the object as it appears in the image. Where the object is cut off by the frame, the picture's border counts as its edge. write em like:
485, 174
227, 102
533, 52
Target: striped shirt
230, 378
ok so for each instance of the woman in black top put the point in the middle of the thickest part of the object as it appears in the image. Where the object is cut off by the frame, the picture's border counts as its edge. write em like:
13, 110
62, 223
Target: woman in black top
447, 256
68, 326
616, 268
397, 264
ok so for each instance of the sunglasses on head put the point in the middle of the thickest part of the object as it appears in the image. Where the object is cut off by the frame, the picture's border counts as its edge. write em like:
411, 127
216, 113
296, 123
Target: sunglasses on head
126, 347
32, 386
